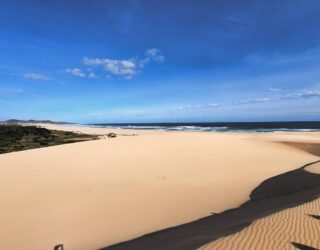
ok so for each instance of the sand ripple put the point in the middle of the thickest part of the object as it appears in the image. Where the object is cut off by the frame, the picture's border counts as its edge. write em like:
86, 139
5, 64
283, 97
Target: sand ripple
277, 231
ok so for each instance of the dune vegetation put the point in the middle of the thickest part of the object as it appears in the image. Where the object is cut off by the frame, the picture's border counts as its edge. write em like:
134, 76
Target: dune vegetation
16, 137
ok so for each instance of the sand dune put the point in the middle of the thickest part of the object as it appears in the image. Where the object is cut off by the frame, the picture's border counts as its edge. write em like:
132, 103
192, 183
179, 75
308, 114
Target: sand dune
288, 229
93, 194
277, 231
275, 194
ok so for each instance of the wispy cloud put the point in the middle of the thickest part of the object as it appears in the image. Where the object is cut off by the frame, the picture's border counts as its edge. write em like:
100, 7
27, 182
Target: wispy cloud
126, 68
36, 77
277, 58
92, 75
300, 94
11, 90
154, 54
199, 106
76, 72
274, 89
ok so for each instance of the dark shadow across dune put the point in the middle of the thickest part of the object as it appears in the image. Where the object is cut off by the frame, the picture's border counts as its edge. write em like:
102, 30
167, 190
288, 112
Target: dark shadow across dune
275, 194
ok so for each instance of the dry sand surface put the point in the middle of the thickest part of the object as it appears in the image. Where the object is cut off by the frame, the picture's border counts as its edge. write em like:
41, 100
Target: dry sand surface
92, 194
281, 230
315, 168
277, 231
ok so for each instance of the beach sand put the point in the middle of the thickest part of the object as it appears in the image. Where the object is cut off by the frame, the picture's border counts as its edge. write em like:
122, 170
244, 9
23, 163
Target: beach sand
93, 194
315, 168
281, 230
277, 231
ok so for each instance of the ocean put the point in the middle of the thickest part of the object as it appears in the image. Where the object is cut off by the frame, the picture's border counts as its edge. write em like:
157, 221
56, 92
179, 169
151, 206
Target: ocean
305, 126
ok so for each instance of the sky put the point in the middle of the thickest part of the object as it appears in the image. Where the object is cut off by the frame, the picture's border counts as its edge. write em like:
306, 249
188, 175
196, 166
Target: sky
113, 61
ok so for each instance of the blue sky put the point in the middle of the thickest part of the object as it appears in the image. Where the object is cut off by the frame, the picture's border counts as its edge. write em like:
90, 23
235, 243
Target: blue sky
160, 61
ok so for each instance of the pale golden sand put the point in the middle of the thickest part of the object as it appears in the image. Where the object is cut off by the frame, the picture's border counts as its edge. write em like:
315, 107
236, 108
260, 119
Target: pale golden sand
92, 194
276, 231
314, 168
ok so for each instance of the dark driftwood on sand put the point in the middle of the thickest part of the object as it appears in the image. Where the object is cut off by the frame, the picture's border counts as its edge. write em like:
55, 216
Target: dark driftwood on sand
275, 194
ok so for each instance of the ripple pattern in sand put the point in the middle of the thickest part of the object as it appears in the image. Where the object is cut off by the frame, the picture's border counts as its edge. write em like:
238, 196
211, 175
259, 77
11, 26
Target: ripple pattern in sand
276, 231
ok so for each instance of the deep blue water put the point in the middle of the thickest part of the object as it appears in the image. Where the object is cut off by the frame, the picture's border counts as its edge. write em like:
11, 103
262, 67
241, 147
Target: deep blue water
220, 126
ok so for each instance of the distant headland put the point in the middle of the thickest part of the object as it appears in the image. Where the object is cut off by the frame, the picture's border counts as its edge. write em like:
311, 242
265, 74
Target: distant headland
15, 121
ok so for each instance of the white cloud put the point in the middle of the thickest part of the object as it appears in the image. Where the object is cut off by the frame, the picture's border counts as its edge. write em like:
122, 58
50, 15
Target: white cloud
126, 68
36, 77
76, 72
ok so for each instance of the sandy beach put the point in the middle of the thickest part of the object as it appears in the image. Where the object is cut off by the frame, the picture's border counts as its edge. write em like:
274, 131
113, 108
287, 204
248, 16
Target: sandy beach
90, 195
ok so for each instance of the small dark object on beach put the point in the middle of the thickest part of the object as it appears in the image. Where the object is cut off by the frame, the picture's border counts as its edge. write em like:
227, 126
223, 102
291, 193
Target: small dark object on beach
111, 135
302, 247
58, 247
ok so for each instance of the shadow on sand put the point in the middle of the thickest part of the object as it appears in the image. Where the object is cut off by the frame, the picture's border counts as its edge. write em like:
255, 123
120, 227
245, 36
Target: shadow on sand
275, 194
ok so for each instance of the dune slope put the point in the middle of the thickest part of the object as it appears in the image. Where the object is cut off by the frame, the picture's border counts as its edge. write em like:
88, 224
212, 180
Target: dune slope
275, 194
279, 231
